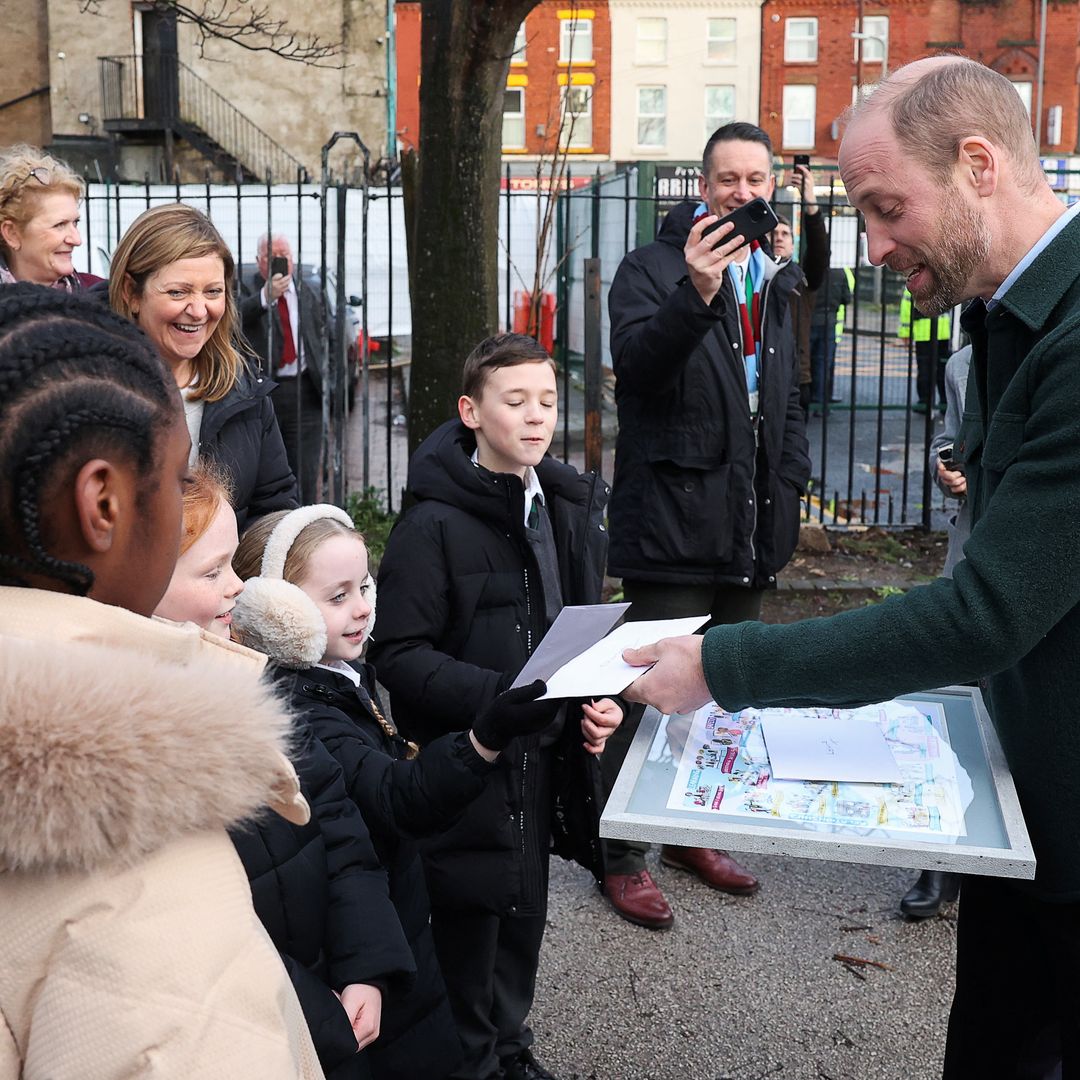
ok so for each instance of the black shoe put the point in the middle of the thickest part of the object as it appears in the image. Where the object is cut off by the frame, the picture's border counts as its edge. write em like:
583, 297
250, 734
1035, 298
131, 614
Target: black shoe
924, 899
525, 1067
919, 407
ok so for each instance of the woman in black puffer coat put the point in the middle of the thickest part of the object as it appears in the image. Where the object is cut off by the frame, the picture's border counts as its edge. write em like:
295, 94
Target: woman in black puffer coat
173, 275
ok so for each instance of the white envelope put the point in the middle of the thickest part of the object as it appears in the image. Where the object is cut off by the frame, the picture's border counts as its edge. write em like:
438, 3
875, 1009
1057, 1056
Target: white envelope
601, 670
828, 748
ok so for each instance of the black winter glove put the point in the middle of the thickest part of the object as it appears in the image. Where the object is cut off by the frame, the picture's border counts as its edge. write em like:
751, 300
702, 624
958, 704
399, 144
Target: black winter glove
513, 713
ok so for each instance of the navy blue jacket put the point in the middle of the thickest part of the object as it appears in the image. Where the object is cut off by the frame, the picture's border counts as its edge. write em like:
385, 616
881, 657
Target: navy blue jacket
324, 899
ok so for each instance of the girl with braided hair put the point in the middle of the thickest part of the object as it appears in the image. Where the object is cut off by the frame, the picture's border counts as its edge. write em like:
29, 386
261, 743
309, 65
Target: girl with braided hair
174, 276
128, 942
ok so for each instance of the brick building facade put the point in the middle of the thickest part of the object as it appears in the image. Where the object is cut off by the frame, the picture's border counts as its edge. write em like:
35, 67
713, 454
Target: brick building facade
811, 63
559, 81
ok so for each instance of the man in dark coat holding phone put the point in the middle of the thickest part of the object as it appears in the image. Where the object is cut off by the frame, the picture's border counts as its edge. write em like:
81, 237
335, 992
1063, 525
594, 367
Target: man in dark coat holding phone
711, 460
283, 322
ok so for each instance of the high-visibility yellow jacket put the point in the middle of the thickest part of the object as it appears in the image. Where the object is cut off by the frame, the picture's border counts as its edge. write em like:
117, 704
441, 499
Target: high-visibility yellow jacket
922, 324
841, 311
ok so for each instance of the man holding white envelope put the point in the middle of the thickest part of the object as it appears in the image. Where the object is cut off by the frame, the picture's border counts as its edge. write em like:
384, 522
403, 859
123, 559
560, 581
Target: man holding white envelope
941, 163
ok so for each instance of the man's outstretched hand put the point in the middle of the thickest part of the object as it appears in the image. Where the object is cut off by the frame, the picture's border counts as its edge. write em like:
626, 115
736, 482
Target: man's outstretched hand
676, 682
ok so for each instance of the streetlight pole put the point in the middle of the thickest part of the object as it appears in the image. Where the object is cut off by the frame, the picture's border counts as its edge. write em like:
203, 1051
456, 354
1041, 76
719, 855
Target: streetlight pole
1042, 64
883, 41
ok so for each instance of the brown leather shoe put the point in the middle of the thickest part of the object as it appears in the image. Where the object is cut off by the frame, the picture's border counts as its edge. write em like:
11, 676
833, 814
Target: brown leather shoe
637, 899
716, 868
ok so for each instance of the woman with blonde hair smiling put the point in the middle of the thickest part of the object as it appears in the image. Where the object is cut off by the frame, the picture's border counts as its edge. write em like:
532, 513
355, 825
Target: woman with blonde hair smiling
39, 219
174, 276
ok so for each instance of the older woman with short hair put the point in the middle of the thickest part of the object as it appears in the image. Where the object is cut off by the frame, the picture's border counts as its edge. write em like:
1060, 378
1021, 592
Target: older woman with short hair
39, 218
174, 276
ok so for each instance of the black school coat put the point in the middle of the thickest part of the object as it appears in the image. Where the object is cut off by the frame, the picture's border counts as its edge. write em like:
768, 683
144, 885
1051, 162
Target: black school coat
402, 801
461, 609
324, 899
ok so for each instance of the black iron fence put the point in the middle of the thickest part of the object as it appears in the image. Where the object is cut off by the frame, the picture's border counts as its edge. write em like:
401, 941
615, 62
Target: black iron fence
869, 448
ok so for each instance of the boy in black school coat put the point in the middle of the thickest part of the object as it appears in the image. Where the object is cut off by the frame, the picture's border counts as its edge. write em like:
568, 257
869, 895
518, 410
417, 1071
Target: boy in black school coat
501, 536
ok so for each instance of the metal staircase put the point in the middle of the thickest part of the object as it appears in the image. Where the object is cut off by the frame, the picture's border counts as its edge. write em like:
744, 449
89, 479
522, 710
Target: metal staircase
158, 96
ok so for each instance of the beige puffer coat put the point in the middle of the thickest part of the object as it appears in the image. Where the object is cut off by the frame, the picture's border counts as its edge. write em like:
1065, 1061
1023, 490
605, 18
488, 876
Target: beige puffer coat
128, 943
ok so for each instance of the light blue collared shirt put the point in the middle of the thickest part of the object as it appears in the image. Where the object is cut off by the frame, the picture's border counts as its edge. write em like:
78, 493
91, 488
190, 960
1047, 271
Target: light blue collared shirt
1040, 245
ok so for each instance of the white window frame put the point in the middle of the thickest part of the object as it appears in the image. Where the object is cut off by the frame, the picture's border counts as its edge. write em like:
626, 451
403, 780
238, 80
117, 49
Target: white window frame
872, 51
518, 55
716, 39
801, 47
1053, 125
575, 41
662, 116
1024, 88
580, 135
515, 117
796, 138
651, 22
715, 120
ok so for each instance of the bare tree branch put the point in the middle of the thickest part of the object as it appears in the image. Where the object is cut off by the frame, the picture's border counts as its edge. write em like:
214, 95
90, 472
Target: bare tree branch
251, 27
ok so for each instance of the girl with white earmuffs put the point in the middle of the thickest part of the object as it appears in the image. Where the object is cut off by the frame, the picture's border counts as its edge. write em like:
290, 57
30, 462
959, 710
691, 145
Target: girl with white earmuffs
318, 888
309, 604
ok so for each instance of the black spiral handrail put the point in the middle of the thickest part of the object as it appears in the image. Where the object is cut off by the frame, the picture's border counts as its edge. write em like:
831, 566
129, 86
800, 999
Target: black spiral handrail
163, 88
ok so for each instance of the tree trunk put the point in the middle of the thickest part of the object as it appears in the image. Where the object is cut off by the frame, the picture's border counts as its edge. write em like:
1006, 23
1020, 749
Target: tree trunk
465, 56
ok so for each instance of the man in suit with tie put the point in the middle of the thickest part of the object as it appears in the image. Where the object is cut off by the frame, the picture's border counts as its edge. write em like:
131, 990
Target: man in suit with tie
283, 322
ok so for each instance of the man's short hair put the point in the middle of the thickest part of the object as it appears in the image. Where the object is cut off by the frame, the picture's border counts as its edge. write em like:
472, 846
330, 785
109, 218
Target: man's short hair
783, 219
267, 240
932, 115
502, 350
738, 131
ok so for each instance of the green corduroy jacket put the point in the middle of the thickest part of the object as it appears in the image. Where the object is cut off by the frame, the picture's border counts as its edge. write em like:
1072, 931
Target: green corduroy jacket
1010, 615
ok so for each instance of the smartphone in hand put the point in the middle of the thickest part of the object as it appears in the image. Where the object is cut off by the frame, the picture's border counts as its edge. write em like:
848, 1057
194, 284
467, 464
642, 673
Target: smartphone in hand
279, 265
948, 460
752, 222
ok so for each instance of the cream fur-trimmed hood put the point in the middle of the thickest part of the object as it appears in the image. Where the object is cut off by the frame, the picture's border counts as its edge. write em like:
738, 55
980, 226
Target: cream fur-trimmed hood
120, 734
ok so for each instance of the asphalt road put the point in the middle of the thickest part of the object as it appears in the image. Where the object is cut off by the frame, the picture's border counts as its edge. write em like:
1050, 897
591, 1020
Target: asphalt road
746, 988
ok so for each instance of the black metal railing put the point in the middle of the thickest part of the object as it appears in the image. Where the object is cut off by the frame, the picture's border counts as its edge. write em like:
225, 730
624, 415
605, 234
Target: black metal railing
161, 89
868, 449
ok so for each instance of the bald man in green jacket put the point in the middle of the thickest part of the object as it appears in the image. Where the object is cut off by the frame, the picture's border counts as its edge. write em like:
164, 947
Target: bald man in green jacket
941, 163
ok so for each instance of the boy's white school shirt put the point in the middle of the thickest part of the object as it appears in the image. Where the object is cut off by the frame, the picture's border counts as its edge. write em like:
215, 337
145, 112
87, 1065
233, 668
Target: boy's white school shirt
533, 490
